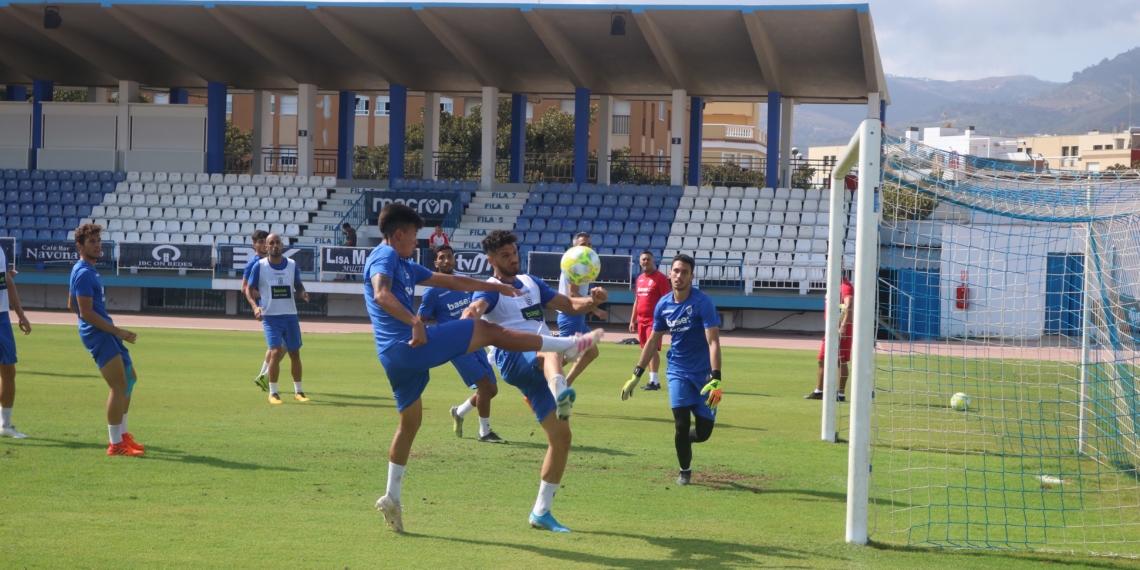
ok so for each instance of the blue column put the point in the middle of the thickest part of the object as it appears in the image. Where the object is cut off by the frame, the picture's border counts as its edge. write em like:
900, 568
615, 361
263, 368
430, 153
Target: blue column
346, 135
581, 134
397, 130
772, 170
882, 111
215, 127
42, 90
15, 93
696, 131
179, 96
518, 136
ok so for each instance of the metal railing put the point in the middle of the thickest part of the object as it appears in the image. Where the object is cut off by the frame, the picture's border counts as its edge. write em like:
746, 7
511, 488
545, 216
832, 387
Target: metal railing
284, 161
354, 216
238, 164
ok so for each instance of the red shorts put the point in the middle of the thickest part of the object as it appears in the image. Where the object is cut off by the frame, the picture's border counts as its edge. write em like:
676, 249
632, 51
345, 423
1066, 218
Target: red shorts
844, 349
644, 329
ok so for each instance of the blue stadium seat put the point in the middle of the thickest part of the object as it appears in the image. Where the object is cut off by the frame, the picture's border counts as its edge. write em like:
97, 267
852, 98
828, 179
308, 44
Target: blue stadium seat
656, 202
3, 232
563, 239
66, 186
25, 185
621, 214
27, 209
658, 242
81, 198
55, 223
652, 215
3, 222
554, 225
545, 211
550, 199
574, 212
522, 225
84, 211
646, 228
545, 249
52, 186
609, 240
119, 176
530, 210
44, 235
565, 199
55, 210
580, 200
64, 175
23, 174
26, 234
411, 184
625, 201
92, 176
661, 228
106, 188
10, 174
610, 201
59, 235
645, 190
555, 188
570, 225
626, 241
540, 187
538, 225
660, 191
79, 186
561, 212
71, 223
667, 215
69, 211
676, 191
590, 213
530, 238
624, 251
586, 225
396, 184
66, 198
428, 184
39, 186
605, 213
42, 222
456, 185
12, 196
13, 209
52, 198
523, 250
39, 197
640, 202
106, 176
41, 210
13, 222
11, 185
534, 198
605, 251
594, 200
641, 242
585, 188
637, 214
631, 228
546, 238
629, 190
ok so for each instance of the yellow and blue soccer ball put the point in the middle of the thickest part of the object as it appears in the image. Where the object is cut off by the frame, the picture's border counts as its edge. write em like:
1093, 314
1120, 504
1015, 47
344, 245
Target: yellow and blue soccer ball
960, 402
580, 265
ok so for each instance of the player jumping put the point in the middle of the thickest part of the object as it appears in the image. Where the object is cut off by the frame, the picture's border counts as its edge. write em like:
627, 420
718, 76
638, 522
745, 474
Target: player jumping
8, 347
258, 239
570, 324
103, 339
275, 279
444, 306
537, 374
408, 350
690, 317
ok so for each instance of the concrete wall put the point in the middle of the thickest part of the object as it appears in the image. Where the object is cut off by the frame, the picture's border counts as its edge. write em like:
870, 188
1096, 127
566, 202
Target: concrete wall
55, 297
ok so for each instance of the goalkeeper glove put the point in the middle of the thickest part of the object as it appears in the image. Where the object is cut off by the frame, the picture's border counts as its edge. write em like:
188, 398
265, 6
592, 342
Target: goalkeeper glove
713, 390
627, 390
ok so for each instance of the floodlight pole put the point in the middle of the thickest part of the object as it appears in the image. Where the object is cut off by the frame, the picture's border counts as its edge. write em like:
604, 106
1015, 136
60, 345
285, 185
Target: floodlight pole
863, 347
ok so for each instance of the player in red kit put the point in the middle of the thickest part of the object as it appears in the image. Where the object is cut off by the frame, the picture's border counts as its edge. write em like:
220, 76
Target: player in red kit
651, 286
846, 325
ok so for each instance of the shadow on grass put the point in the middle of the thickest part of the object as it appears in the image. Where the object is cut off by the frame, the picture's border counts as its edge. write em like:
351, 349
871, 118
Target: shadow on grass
156, 453
355, 396
59, 374
669, 421
682, 553
990, 554
574, 448
349, 404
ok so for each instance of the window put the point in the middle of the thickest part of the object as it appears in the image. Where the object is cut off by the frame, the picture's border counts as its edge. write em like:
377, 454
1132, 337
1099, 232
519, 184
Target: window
1064, 151
1094, 167
229, 104
567, 106
1073, 151
362, 106
1098, 147
661, 111
164, 99
447, 105
383, 105
1028, 150
529, 112
288, 104
272, 104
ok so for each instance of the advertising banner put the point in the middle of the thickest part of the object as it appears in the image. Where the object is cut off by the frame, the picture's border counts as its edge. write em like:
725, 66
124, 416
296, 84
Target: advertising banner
166, 256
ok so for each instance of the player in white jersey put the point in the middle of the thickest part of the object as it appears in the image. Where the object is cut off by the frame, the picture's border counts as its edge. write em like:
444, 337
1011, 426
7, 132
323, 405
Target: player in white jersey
569, 324
8, 346
276, 280
538, 375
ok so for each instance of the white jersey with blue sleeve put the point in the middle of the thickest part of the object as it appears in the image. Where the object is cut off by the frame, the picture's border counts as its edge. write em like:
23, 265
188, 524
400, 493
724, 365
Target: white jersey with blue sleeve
275, 283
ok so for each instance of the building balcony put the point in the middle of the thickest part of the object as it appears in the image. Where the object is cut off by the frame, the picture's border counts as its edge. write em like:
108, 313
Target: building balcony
737, 133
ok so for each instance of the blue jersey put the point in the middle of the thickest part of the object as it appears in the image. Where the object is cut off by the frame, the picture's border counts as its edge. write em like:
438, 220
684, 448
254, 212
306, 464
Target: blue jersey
85, 282
545, 293
405, 275
686, 321
443, 305
253, 261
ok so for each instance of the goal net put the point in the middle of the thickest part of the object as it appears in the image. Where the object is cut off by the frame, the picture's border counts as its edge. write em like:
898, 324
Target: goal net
1016, 286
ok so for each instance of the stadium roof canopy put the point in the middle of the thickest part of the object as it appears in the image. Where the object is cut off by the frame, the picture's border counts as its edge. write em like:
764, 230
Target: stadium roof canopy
815, 54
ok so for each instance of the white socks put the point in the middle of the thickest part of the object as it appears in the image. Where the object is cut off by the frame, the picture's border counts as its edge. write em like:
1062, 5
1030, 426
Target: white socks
5, 417
395, 480
272, 387
116, 433
557, 385
484, 426
464, 408
557, 344
545, 498
264, 368
652, 377
123, 426
297, 387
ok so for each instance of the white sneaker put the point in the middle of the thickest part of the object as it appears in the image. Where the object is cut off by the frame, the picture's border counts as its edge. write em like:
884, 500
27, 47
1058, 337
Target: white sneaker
583, 343
565, 402
10, 431
393, 512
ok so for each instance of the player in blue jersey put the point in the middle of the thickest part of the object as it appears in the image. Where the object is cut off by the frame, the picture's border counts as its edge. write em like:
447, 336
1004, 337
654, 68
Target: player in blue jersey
258, 239
103, 339
8, 346
537, 374
690, 318
444, 306
408, 350
277, 280
569, 324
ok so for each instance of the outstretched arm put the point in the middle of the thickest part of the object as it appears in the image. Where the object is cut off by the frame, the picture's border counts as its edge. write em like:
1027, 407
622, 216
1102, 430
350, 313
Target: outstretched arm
579, 305
460, 283
475, 310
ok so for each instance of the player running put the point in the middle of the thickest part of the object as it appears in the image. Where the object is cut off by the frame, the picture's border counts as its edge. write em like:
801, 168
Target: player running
408, 350
690, 317
571, 324
651, 286
258, 239
277, 279
8, 346
537, 374
444, 306
846, 328
103, 339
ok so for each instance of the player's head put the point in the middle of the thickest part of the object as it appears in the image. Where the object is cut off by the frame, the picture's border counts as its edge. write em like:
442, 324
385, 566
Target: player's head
681, 271
502, 252
445, 259
274, 247
648, 264
89, 241
258, 239
583, 238
399, 224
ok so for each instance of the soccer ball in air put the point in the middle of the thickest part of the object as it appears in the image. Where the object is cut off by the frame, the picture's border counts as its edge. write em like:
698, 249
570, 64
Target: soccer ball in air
960, 402
580, 265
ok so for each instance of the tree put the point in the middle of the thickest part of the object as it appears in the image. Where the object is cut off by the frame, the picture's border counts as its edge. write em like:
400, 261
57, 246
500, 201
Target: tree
69, 96
905, 203
239, 149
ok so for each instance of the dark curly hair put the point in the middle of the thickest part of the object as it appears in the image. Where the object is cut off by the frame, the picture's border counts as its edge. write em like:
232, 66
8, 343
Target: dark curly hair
396, 216
497, 239
85, 231
687, 260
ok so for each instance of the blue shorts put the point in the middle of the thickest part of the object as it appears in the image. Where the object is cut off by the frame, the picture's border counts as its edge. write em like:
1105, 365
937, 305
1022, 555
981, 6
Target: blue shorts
685, 392
7, 340
521, 370
408, 367
569, 325
282, 330
473, 367
104, 347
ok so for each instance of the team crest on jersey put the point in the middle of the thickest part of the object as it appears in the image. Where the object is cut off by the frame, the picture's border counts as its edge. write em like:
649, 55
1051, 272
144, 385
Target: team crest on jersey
689, 310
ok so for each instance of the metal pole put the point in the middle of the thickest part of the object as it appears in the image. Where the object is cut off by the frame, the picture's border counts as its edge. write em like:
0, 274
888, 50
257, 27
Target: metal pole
863, 349
1086, 333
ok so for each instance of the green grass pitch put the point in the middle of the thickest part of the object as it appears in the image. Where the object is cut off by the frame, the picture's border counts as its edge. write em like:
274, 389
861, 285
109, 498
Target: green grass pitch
229, 481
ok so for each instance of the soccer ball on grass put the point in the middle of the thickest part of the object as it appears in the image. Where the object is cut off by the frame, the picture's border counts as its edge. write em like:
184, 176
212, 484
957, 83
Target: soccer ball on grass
580, 265
960, 402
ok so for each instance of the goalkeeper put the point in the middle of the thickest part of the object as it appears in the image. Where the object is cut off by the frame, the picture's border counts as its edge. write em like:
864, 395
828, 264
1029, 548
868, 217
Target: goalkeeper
693, 360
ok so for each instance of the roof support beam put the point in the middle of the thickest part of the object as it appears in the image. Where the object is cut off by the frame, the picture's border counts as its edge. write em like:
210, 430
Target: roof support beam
872, 67
107, 59
470, 57
293, 62
666, 55
580, 72
766, 56
381, 59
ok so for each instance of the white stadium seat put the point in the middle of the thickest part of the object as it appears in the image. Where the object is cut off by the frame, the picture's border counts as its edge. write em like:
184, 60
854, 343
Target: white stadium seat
207, 239
321, 193
192, 189
278, 229
271, 180
131, 236
263, 192
233, 228
138, 200
228, 215
122, 188
150, 188
690, 192
713, 216
772, 231
301, 217
161, 237
748, 204
792, 218
135, 188
328, 181
241, 216
216, 178
257, 179
98, 211
803, 245
109, 199
181, 201
280, 203
292, 230
705, 242
729, 216
724, 230
247, 228
779, 205
702, 203
761, 217
272, 216
740, 230
716, 203
287, 180
198, 214
688, 202
296, 204
151, 200
174, 177
722, 244
229, 179
720, 192
763, 205
790, 232
256, 216
213, 215
222, 202
177, 238
124, 212
133, 176
767, 193
736, 192
209, 202
216, 227
252, 203
244, 178
752, 192
147, 177
312, 205
732, 204
787, 246
292, 192
114, 225
201, 178
160, 177
158, 226
164, 188
698, 216
705, 192
192, 238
